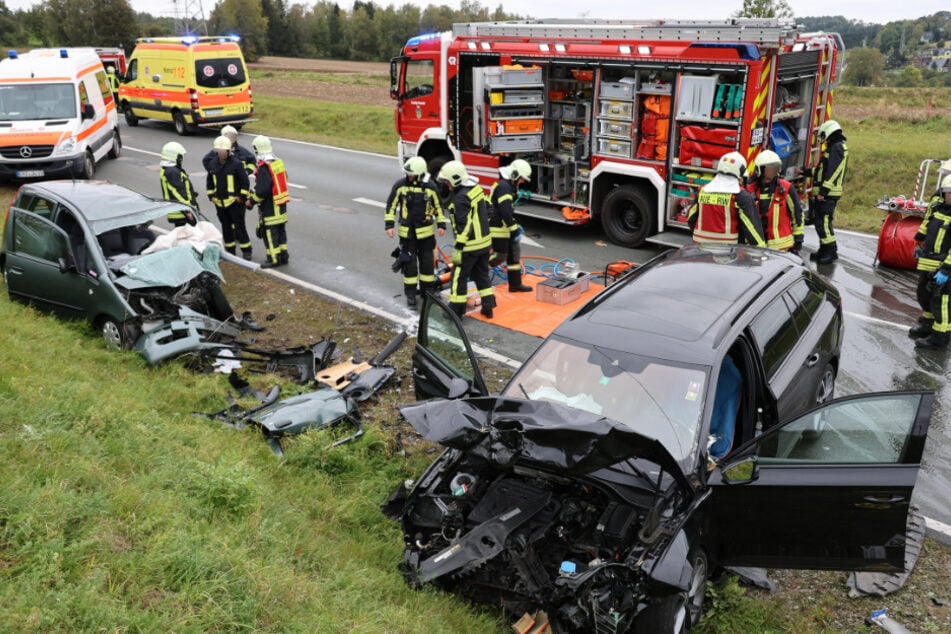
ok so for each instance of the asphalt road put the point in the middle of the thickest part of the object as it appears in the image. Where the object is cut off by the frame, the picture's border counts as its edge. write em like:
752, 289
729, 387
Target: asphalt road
337, 242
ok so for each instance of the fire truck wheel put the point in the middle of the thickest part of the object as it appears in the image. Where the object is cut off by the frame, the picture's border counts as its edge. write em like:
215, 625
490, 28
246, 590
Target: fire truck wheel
628, 216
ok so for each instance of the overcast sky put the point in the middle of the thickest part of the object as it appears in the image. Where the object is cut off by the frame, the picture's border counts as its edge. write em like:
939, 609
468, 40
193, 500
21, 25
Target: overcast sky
880, 11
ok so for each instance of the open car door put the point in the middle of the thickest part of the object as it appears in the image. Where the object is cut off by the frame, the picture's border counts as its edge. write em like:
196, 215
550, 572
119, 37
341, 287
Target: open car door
828, 490
444, 365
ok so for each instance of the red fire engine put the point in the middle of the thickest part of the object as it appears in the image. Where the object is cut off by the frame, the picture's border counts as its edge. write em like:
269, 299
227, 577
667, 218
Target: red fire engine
622, 122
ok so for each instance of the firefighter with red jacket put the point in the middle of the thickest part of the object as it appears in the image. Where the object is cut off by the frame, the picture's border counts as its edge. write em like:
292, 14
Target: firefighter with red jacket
780, 211
828, 177
414, 205
725, 213
469, 214
271, 195
506, 233
934, 271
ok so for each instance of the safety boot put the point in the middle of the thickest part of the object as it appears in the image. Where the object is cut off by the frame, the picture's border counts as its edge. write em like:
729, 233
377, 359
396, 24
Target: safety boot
411, 300
246, 254
825, 254
936, 340
284, 258
270, 264
515, 283
922, 329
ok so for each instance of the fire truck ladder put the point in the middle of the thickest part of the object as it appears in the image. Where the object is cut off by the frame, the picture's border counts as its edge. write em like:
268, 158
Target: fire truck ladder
770, 33
824, 94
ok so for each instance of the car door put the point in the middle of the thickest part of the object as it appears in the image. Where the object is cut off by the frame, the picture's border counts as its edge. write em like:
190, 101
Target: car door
836, 499
443, 357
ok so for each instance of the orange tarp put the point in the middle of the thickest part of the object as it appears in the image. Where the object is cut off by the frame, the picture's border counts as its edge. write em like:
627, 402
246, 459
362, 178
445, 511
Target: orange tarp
523, 313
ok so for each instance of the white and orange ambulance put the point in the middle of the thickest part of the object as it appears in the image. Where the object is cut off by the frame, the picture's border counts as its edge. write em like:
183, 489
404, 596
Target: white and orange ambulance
57, 115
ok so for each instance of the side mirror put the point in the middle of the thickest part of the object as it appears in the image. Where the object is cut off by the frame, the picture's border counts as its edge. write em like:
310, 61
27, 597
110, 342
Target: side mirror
458, 388
741, 472
394, 94
66, 264
88, 112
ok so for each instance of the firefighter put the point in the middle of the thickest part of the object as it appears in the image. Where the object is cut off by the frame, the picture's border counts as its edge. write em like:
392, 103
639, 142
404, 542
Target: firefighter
934, 266
725, 213
113, 82
779, 208
828, 176
271, 195
414, 205
176, 186
506, 233
468, 211
244, 156
228, 184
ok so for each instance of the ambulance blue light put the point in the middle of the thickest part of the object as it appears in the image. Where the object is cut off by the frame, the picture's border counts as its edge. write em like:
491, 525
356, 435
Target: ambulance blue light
63, 53
235, 38
12, 54
191, 39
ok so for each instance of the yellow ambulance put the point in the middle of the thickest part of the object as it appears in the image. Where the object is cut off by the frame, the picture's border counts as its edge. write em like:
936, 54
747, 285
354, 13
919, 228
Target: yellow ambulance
187, 80
57, 114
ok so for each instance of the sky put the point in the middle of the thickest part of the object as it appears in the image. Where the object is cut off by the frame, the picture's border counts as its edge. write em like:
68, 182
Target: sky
880, 11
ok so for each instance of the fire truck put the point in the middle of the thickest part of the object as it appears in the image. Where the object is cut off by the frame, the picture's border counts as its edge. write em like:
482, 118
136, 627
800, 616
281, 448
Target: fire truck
622, 121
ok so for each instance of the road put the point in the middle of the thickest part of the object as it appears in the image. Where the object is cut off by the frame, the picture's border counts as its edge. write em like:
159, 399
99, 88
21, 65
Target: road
337, 242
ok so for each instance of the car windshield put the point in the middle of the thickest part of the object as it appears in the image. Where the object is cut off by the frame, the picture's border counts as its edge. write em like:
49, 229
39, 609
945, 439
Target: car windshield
21, 102
657, 399
219, 73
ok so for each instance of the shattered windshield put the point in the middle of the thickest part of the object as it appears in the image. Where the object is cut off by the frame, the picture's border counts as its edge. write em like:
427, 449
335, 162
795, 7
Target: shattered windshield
36, 102
655, 398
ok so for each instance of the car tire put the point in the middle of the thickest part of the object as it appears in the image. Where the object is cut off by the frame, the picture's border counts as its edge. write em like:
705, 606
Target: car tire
680, 612
825, 392
628, 216
116, 150
118, 336
89, 167
130, 118
181, 126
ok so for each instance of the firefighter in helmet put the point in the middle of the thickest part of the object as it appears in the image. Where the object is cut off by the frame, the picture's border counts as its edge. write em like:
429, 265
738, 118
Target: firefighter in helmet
227, 183
271, 195
506, 233
780, 211
414, 205
176, 186
828, 177
468, 211
934, 270
244, 156
113, 80
725, 213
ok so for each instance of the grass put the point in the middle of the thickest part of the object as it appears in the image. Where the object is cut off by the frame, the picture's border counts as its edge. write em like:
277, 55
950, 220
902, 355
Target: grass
355, 126
380, 80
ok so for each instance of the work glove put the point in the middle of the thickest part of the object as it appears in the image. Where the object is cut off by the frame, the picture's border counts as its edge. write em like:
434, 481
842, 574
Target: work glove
796, 248
919, 250
940, 278
516, 235
457, 257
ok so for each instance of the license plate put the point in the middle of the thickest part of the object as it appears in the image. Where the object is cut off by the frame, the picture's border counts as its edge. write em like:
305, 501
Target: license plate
30, 173
212, 112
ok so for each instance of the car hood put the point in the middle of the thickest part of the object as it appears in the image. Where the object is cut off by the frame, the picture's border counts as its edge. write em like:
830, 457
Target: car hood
171, 267
503, 430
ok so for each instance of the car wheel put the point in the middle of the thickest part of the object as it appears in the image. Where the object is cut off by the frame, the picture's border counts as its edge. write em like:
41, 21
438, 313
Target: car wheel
678, 612
181, 126
116, 148
130, 118
89, 166
118, 336
825, 392
627, 216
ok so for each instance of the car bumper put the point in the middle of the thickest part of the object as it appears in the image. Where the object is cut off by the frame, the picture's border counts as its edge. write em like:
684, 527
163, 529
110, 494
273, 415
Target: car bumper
53, 167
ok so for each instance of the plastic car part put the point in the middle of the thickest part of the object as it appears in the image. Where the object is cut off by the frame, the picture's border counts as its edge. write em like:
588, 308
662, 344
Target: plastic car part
191, 332
368, 383
306, 412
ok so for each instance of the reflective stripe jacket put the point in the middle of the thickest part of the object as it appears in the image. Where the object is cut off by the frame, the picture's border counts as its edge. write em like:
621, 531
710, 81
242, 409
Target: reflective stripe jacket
470, 219
935, 234
830, 172
780, 212
725, 218
502, 220
415, 205
227, 182
177, 187
271, 192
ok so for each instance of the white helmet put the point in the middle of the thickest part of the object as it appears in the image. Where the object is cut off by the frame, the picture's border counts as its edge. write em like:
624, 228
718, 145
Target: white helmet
172, 151
732, 163
765, 159
519, 168
946, 185
231, 132
454, 173
222, 143
415, 166
828, 128
261, 145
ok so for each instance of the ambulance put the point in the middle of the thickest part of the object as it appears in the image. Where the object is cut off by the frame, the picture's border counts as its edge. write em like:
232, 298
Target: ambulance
190, 81
57, 115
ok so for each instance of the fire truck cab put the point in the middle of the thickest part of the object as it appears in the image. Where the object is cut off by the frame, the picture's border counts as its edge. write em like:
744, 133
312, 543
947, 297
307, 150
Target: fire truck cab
622, 122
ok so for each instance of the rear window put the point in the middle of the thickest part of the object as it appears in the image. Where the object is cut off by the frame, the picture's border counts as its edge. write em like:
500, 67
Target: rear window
219, 73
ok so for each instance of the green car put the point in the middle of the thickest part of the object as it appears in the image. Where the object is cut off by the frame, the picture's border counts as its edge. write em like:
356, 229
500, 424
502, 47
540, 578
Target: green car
75, 247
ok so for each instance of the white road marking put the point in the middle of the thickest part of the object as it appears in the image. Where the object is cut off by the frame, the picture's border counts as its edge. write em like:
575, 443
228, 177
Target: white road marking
372, 203
530, 242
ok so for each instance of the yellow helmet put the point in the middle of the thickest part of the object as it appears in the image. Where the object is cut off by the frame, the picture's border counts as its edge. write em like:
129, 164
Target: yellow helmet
172, 150
732, 163
222, 143
230, 131
261, 145
765, 159
520, 168
415, 166
828, 128
454, 173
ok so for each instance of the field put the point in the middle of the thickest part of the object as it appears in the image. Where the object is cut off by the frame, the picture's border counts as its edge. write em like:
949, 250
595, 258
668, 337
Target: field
121, 510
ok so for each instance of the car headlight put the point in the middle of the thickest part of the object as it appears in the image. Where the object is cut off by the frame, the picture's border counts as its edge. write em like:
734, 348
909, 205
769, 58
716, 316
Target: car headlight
66, 146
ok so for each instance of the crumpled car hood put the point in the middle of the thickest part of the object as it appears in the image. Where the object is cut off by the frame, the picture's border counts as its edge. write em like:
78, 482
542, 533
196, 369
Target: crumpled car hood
172, 267
503, 430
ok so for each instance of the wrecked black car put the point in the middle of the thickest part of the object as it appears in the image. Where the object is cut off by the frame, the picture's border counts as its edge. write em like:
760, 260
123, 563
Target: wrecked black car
591, 490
